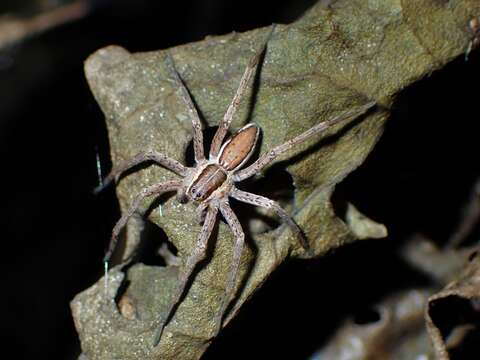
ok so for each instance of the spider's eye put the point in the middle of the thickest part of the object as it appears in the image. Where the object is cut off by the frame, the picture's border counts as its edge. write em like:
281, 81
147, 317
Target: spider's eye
195, 193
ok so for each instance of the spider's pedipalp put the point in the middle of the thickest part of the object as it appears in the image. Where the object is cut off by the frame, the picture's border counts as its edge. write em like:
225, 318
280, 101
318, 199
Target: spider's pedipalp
228, 117
271, 155
196, 122
141, 157
267, 203
186, 271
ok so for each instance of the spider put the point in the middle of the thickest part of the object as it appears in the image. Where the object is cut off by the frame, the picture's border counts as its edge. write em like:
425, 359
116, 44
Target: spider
211, 182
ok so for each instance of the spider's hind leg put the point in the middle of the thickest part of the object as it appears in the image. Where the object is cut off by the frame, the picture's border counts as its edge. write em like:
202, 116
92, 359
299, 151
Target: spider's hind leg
237, 230
267, 203
186, 271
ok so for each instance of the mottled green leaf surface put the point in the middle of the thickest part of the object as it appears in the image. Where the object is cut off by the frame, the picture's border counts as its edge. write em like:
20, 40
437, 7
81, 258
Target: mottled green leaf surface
336, 57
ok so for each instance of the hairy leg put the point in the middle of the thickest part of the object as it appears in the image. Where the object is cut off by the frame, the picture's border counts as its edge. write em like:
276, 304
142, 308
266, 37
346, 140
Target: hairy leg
267, 203
201, 212
186, 271
141, 157
228, 117
280, 149
196, 122
234, 224
156, 189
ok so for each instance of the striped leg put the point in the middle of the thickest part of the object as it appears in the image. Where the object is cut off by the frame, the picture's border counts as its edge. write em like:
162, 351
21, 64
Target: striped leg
234, 224
280, 149
141, 157
196, 122
195, 257
267, 203
232, 108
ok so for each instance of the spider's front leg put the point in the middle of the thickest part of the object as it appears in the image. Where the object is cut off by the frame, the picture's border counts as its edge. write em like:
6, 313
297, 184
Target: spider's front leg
141, 157
235, 103
196, 122
186, 271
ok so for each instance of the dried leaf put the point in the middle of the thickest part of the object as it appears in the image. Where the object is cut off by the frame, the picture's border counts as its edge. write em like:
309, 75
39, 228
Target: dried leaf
454, 312
333, 59
399, 332
441, 265
363, 227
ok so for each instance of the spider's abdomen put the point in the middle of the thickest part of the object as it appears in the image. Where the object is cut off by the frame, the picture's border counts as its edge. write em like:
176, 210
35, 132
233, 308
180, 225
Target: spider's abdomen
209, 180
236, 150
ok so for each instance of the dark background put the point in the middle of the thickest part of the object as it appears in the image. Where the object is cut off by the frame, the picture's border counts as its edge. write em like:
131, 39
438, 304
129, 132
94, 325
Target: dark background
54, 231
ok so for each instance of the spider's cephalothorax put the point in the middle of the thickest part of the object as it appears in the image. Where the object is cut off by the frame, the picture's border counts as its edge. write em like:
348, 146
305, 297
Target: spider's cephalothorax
211, 182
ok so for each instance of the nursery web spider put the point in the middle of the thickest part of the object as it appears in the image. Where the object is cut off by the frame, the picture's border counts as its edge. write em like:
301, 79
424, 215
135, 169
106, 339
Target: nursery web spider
211, 182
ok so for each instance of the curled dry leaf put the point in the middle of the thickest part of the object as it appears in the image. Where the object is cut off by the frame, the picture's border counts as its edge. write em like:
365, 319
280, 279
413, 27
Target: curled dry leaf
441, 265
396, 326
363, 227
398, 332
453, 314
332, 59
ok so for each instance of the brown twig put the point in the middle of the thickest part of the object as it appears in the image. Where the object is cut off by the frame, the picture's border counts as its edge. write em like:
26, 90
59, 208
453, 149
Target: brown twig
470, 218
15, 29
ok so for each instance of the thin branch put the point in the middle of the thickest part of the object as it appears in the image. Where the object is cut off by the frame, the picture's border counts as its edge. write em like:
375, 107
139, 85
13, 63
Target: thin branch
15, 29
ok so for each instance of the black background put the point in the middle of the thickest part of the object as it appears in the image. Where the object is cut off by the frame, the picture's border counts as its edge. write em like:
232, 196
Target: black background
54, 231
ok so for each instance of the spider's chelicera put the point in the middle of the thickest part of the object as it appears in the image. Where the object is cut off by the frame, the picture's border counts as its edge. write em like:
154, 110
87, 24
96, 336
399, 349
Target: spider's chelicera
211, 182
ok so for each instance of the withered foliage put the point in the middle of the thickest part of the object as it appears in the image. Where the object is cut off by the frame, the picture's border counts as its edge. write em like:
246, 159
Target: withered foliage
321, 64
